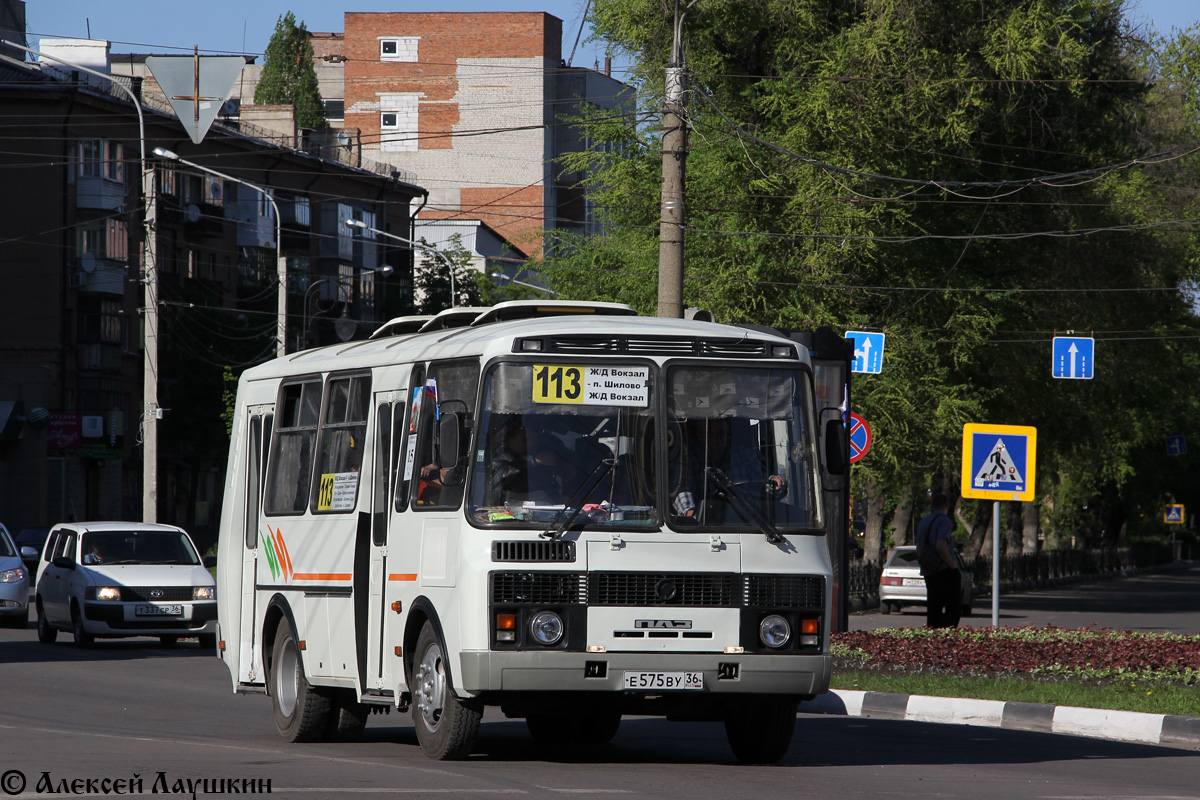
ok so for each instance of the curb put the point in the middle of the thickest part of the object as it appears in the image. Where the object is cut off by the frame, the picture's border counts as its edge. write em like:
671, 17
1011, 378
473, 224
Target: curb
1119, 726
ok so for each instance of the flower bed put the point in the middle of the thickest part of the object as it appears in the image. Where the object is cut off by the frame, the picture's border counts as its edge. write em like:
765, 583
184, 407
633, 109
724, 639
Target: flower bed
1087, 653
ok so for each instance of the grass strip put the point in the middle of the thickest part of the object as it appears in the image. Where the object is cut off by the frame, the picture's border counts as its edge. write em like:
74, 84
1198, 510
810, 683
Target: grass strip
1152, 698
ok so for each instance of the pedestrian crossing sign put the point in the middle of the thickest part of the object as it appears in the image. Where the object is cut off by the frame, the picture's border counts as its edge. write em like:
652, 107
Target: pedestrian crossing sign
1173, 514
998, 462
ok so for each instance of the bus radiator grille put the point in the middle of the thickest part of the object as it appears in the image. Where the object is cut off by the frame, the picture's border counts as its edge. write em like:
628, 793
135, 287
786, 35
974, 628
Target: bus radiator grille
556, 551
692, 589
784, 591
541, 588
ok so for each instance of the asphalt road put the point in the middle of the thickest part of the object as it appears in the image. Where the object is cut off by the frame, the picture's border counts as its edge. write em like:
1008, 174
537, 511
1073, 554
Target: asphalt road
1162, 600
132, 707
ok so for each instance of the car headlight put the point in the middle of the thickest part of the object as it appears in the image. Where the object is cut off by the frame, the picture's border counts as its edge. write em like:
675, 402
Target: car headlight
546, 627
203, 593
108, 593
12, 575
774, 631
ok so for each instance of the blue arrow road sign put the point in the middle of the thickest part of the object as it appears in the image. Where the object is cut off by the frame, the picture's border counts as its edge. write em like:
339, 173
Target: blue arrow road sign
868, 352
1176, 446
1073, 357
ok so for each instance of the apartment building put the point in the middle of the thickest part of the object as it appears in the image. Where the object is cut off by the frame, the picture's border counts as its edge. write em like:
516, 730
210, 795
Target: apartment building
72, 236
477, 107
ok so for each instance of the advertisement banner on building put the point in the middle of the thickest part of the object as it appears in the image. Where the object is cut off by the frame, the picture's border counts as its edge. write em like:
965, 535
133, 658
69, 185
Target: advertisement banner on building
64, 432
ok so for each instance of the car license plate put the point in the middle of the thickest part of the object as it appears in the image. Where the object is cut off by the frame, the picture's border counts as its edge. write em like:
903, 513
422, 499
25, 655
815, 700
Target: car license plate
664, 680
158, 611
914, 581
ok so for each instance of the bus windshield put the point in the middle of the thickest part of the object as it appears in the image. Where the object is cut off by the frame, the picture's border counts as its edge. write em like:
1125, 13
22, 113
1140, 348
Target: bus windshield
560, 442
741, 450
578, 446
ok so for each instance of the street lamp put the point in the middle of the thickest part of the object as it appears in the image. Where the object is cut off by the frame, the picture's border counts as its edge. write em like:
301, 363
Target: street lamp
358, 223
500, 276
280, 261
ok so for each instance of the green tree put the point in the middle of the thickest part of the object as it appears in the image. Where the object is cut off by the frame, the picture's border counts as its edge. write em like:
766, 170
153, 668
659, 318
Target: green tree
288, 77
432, 277
960, 176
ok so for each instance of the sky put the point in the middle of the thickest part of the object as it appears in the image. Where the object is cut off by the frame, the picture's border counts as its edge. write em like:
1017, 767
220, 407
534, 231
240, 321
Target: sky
245, 26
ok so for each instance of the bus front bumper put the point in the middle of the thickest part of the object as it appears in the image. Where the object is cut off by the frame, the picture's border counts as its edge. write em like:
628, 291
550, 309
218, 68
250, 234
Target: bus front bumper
800, 675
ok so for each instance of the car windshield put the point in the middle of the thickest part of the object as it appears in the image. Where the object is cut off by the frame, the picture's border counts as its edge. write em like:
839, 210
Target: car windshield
566, 446
741, 449
137, 547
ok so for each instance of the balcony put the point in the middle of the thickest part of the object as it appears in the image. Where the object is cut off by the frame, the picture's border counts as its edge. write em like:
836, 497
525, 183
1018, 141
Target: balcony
106, 277
101, 194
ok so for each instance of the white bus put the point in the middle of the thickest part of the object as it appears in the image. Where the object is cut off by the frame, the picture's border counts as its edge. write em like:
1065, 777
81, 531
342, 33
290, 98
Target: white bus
567, 511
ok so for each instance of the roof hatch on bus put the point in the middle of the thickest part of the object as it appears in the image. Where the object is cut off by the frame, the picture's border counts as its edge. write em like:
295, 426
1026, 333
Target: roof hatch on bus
526, 309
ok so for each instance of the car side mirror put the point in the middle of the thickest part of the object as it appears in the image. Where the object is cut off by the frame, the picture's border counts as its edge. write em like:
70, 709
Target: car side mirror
29, 553
64, 562
835, 447
210, 561
448, 431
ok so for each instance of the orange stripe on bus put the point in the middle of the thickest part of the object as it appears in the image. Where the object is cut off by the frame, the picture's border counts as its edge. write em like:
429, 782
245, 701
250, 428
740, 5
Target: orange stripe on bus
321, 576
402, 576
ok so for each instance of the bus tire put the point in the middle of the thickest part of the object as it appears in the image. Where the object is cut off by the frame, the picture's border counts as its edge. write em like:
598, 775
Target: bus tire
347, 717
760, 731
301, 711
445, 725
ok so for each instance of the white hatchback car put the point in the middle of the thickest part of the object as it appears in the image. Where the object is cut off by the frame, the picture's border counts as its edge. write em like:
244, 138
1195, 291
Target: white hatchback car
112, 579
901, 583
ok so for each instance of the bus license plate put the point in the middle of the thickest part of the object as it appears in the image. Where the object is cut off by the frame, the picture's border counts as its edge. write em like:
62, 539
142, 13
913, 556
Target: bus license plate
664, 680
158, 611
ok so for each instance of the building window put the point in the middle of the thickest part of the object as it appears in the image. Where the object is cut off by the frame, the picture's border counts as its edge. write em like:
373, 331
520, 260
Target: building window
98, 158
345, 288
398, 48
335, 110
102, 239
398, 122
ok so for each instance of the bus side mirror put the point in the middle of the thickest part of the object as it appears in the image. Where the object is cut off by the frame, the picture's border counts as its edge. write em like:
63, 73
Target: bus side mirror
448, 431
835, 447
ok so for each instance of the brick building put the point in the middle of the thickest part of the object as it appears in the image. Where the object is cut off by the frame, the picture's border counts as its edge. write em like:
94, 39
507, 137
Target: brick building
474, 104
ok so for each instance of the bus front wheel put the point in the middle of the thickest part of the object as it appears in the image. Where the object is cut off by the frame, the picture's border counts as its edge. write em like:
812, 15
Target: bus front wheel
446, 726
301, 712
760, 731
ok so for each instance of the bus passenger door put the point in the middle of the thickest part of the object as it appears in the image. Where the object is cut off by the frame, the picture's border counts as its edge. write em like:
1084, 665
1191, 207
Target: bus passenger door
375, 669
250, 667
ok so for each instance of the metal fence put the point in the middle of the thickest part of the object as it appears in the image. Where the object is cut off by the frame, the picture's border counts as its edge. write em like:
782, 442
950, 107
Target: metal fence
1032, 570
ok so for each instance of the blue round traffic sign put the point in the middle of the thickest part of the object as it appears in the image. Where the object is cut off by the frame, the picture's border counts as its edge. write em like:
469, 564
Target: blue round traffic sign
860, 438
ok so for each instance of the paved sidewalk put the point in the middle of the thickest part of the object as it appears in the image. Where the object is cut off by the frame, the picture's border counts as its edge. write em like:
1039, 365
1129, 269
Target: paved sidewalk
1121, 726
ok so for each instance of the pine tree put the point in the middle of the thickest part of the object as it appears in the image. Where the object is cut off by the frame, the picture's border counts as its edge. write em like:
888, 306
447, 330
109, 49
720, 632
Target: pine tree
288, 77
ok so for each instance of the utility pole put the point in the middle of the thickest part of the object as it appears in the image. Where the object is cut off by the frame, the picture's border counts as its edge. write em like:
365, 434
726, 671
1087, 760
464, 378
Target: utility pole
674, 159
150, 412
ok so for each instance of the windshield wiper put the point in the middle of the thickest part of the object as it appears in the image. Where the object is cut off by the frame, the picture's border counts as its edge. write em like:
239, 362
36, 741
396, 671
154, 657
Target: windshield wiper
743, 508
559, 524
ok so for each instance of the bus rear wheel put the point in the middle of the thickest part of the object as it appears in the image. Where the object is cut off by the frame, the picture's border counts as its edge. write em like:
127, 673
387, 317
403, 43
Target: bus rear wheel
760, 731
446, 726
301, 712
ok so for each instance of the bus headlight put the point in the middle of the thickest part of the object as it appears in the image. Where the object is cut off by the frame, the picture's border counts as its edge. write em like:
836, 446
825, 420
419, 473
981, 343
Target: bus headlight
546, 628
774, 631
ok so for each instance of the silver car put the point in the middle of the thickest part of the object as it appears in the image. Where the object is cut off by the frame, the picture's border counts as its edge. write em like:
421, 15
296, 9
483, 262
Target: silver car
107, 579
14, 584
901, 583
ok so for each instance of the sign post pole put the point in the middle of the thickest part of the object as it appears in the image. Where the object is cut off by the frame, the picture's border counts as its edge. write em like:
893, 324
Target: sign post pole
996, 564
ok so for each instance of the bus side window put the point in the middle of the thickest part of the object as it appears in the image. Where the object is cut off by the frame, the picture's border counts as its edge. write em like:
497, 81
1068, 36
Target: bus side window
405, 439
253, 481
382, 474
343, 440
456, 381
290, 475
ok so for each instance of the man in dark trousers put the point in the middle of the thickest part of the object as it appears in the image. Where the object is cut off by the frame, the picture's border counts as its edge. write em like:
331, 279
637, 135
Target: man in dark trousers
935, 554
